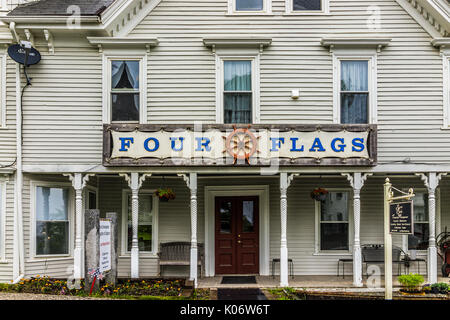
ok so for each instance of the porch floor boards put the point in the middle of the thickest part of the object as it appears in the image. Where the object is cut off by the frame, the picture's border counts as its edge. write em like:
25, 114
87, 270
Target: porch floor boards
311, 282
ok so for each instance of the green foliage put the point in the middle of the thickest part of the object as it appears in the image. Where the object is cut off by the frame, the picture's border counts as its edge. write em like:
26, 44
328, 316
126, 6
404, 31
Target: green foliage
411, 281
440, 287
165, 194
286, 293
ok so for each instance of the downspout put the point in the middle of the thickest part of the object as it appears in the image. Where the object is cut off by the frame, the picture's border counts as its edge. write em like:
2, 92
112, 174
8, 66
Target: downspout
18, 259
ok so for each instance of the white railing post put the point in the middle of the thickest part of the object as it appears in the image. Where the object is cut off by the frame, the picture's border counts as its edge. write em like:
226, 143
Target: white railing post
357, 182
135, 182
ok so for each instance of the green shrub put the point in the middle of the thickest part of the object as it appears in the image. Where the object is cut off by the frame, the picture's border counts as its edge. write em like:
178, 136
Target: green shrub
411, 281
440, 287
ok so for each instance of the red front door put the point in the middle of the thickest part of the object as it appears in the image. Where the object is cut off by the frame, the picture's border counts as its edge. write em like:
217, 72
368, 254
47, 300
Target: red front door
237, 235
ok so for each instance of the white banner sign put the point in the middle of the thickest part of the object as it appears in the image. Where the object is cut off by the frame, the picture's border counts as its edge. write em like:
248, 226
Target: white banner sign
239, 144
105, 245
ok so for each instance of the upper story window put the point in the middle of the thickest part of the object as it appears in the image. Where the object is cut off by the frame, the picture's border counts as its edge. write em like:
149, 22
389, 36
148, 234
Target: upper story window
237, 91
249, 6
125, 90
355, 98
354, 91
307, 6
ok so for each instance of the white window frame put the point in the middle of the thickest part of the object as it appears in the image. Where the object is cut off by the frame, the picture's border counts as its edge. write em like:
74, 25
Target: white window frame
3, 221
446, 88
71, 212
362, 55
267, 9
255, 60
3, 90
124, 228
405, 247
317, 207
106, 66
289, 5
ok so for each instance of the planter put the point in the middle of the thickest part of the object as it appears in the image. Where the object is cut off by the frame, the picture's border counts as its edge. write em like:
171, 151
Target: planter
165, 194
319, 194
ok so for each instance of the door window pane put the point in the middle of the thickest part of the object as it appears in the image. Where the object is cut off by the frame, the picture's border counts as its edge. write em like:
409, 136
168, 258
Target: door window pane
237, 91
52, 221
145, 222
249, 5
354, 91
248, 222
300, 5
125, 94
225, 211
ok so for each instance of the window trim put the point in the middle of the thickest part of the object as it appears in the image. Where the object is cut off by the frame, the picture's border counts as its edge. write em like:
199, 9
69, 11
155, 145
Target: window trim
289, 9
446, 89
3, 183
255, 60
437, 194
317, 250
372, 82
71, 211
124, 228
3, 90
267, 9
106, 81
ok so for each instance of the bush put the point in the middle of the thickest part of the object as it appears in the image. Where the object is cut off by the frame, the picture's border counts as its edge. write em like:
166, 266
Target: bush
411, 282
440, 287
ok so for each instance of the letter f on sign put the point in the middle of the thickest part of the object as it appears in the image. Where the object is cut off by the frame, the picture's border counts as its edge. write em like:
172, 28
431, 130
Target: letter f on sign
125, 143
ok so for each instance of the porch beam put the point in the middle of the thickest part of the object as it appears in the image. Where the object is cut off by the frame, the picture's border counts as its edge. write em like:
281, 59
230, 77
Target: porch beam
431, 181
285, 182
191, 182
78, 182
135, 181
357, 180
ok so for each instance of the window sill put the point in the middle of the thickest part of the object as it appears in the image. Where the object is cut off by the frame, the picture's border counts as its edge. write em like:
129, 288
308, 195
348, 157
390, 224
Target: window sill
334, 253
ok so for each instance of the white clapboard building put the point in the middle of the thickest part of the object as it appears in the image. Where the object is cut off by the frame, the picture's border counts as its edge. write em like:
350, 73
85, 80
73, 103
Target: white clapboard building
243, 108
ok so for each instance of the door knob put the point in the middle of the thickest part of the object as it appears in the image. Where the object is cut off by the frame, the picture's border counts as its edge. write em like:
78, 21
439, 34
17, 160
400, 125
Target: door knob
239, 241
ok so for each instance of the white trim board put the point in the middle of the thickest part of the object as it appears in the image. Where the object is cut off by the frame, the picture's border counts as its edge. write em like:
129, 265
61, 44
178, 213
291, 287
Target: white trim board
262, 191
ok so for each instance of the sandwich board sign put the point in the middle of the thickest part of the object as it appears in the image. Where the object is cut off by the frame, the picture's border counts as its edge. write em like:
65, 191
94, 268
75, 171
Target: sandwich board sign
401, 218
105, 245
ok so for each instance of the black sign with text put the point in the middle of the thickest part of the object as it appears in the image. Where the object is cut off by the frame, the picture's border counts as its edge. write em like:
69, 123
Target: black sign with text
401, 218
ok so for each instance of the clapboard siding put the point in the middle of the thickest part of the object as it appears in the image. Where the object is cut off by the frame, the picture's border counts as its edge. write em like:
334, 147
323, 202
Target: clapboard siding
6, 267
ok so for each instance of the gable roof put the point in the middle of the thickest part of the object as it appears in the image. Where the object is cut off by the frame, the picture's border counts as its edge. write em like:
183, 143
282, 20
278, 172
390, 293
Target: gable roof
59, 8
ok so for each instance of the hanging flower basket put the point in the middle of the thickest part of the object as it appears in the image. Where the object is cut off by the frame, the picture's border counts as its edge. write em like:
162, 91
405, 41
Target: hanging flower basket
165, 194
319, 194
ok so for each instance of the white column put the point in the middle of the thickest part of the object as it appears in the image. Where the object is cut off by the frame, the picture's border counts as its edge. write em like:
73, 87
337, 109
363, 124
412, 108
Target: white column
191, 182
285, 181
431, 181
135, 182
78, 182
357, 182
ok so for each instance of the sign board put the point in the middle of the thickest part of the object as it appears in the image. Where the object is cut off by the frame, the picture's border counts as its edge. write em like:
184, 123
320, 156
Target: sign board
105, 245
228, 145
401, 218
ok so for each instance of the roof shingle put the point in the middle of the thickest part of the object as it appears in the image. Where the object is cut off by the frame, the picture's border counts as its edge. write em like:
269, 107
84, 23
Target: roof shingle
59, 7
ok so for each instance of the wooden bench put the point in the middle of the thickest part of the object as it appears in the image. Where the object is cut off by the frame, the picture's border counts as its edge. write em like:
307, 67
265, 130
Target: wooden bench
179, 254
374, 254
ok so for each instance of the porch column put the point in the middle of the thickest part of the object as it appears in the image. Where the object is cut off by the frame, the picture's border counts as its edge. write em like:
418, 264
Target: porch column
191, 182
78, 182
357, 182
431, 181
285, 181
135, 181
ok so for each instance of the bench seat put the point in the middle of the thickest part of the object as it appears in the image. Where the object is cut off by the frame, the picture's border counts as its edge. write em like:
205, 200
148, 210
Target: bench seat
179, 254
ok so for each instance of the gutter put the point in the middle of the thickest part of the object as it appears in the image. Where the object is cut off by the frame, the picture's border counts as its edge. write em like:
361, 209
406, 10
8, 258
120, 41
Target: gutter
48, 19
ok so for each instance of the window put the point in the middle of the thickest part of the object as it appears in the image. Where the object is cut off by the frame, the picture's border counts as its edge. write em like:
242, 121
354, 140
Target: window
307, 6
146, 222
249, 6
52, 220
333, 218
355, 93
237, 91
124, 88
419, 241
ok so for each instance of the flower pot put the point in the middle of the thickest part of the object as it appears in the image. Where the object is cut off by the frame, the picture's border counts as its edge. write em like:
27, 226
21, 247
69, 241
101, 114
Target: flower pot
164, 199
320, 197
